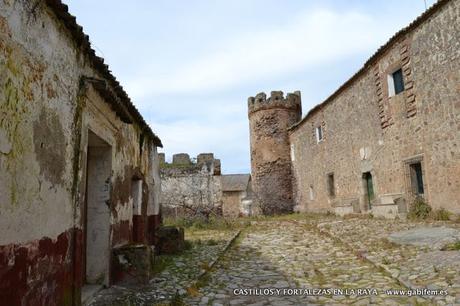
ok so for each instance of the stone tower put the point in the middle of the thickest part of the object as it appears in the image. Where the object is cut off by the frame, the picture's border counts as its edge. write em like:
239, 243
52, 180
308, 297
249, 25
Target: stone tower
269, 120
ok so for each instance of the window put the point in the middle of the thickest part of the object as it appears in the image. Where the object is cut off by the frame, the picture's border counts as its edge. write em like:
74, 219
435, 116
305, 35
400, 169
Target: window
319, 133
395, 83
331, 185
292, 152
416, 176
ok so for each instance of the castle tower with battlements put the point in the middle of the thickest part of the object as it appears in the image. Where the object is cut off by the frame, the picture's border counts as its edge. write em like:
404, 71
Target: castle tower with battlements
269, 120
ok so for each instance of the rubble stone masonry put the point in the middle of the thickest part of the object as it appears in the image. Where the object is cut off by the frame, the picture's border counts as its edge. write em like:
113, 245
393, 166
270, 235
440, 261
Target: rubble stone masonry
368, 132
269, 120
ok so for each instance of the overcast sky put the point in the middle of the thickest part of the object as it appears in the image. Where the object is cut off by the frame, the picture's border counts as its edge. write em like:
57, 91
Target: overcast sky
190, 65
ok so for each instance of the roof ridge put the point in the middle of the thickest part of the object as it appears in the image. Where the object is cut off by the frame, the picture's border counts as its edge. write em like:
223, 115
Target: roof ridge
61, 11
381, 50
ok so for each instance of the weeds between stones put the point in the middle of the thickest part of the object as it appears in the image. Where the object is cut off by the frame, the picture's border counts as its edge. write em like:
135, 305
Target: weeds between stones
419, 209
455, 246
441, 215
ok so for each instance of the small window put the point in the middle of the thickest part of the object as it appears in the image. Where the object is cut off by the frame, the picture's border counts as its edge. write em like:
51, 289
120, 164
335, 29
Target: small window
331, 185
319, 133
395, 83
416, 175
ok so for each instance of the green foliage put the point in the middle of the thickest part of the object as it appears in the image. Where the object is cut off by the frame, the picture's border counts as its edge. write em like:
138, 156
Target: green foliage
452, 246
177, 300
330, 213
419, 209
441, 214
197, 223
188, 245
212, 242
161, 263
386, 261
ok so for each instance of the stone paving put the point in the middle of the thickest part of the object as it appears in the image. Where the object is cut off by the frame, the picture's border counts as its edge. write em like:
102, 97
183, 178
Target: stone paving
178, 274
315, 252
287, 254
416, 264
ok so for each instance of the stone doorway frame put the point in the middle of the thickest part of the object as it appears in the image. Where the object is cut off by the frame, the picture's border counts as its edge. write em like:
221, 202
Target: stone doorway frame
97, 207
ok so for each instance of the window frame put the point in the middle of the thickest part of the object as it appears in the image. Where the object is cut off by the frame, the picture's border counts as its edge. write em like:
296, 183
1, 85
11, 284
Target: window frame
417, 178
408, 172
392, 84
319, 133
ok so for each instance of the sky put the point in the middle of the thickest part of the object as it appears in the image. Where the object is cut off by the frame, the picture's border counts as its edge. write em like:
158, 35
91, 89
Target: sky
190, 65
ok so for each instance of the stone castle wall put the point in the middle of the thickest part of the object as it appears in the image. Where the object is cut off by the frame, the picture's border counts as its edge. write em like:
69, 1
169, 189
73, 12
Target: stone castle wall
190, 188
271, 173
366, 130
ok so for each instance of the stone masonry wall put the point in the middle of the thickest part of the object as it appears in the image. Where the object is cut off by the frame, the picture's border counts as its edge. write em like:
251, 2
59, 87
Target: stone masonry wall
269, 120
366, 130
191, 188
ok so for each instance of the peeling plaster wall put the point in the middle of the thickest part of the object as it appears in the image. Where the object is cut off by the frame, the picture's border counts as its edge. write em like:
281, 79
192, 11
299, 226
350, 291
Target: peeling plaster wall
38, 85
45, 115
366, 130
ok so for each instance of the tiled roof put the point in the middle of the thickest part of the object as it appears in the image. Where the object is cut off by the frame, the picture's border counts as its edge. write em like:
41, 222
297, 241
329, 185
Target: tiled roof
414, 24
119, 99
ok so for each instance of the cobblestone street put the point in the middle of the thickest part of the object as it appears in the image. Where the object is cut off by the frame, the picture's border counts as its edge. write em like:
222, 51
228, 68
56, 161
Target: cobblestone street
329, 253
306, 252
291, 255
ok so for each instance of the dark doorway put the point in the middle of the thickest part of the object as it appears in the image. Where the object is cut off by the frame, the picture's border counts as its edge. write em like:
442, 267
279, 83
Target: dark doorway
416, 176
331, 185
97, 212
369, 188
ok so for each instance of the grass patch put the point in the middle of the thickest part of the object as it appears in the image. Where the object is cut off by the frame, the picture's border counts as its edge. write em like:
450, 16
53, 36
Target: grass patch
213, 223
161, 262
212, 242
419, 209
194, 289
177, 300
455, 246
292, 217
386, 261
220, 223
441, 214
387, 244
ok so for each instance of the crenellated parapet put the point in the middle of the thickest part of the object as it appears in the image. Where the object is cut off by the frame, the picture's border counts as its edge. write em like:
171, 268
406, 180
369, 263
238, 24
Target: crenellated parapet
292, 101
269, 122
182, 164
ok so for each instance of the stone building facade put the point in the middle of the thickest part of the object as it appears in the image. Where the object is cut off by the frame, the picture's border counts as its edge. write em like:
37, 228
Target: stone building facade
198, 189
237, 195
391, 132
79, 170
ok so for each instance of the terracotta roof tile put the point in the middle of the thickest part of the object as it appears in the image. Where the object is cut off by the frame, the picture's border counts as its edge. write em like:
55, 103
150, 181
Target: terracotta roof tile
122, 105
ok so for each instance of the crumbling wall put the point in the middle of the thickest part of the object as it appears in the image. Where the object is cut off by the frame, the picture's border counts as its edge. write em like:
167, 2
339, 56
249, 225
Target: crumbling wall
191, 188
48, 103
